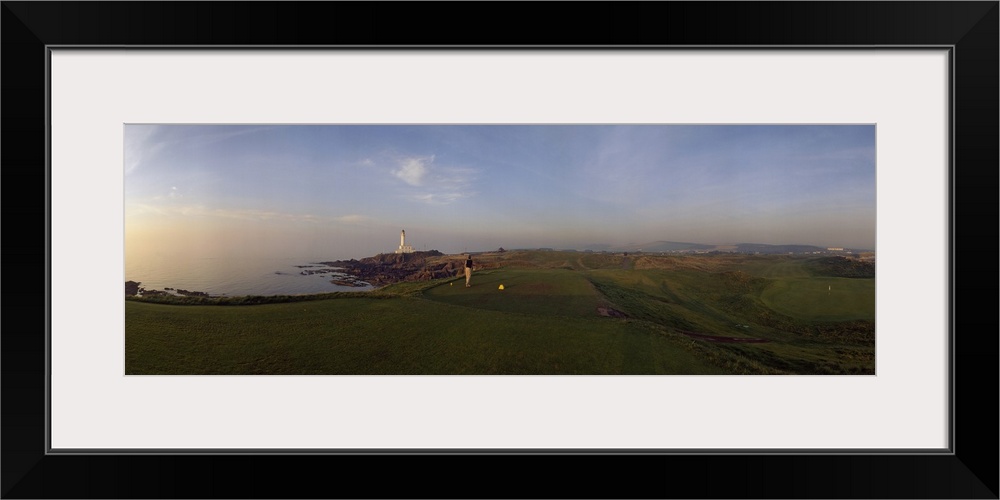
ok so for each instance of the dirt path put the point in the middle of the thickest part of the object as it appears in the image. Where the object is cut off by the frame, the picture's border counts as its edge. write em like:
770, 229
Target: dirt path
611, 313
717, 338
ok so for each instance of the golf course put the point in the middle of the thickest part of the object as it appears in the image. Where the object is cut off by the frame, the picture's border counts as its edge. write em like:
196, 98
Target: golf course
534, 313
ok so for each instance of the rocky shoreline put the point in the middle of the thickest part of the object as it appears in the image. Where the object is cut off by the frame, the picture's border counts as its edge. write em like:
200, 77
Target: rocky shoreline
339, 278
377, 271
389, 268
134, 288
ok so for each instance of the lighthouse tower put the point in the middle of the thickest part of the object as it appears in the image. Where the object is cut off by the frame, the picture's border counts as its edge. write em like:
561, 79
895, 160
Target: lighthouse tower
403, 247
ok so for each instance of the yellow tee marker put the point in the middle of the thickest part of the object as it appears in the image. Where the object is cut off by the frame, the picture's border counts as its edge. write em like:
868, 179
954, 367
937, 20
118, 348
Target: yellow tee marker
501, 286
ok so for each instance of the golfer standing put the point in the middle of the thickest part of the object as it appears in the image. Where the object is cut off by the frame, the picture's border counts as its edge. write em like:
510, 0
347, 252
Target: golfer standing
468, 270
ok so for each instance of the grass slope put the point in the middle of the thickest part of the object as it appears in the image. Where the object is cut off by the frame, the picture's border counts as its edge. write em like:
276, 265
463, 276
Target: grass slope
544, 321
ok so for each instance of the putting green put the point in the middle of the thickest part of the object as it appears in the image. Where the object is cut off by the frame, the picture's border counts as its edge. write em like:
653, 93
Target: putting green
822, 299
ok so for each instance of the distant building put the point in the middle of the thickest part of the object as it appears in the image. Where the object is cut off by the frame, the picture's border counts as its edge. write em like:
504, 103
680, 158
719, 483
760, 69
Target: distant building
835, 249
403, 247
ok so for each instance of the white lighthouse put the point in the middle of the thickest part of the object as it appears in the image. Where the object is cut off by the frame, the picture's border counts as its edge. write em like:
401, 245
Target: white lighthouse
403, 247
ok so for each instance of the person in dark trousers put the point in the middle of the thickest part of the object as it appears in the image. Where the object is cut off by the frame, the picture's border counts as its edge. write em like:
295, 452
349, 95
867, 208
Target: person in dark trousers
468, 270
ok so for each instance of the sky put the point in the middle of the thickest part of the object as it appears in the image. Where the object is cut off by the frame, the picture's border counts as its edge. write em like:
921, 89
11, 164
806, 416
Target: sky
346, 191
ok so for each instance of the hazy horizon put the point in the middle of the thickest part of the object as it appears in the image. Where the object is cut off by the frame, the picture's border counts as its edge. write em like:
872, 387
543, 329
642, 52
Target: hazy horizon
345, 191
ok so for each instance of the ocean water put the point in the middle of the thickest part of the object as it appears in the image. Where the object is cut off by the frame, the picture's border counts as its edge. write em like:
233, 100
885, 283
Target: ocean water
228, 276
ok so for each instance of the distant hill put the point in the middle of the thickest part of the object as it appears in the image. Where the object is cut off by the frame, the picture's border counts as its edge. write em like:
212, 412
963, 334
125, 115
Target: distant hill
762, 248
842, 267
676, 246
664, 246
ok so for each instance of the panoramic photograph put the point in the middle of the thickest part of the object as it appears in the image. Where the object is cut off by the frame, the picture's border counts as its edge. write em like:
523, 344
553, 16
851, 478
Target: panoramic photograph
548, 249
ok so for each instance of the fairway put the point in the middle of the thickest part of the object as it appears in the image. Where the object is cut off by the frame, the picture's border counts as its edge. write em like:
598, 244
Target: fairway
549, 292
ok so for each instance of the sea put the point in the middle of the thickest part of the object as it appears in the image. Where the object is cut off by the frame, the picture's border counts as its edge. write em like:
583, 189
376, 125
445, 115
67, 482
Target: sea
234, 276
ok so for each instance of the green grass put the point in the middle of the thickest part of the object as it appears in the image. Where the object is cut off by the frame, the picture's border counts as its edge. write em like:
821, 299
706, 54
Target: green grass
545, 292
545, 321
822, 299
398, 336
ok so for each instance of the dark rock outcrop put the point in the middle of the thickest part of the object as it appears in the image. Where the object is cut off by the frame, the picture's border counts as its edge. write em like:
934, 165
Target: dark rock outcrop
387, 268
133, 288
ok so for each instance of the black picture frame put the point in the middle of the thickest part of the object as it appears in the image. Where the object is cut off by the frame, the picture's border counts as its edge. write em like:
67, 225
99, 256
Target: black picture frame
970, 29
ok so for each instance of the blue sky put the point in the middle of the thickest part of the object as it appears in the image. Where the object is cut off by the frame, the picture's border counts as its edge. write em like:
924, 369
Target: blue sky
345, 191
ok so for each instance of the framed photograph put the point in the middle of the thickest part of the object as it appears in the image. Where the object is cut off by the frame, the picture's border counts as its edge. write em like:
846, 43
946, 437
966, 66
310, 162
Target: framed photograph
689, 250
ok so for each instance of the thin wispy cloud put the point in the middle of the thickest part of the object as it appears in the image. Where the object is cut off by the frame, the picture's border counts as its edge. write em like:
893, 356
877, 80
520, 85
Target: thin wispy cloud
262, 215
140, 146
437, 184
225, 213
172, 195
414, 170
229, 133
145, 143
246, 214
439, 198
353, 219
